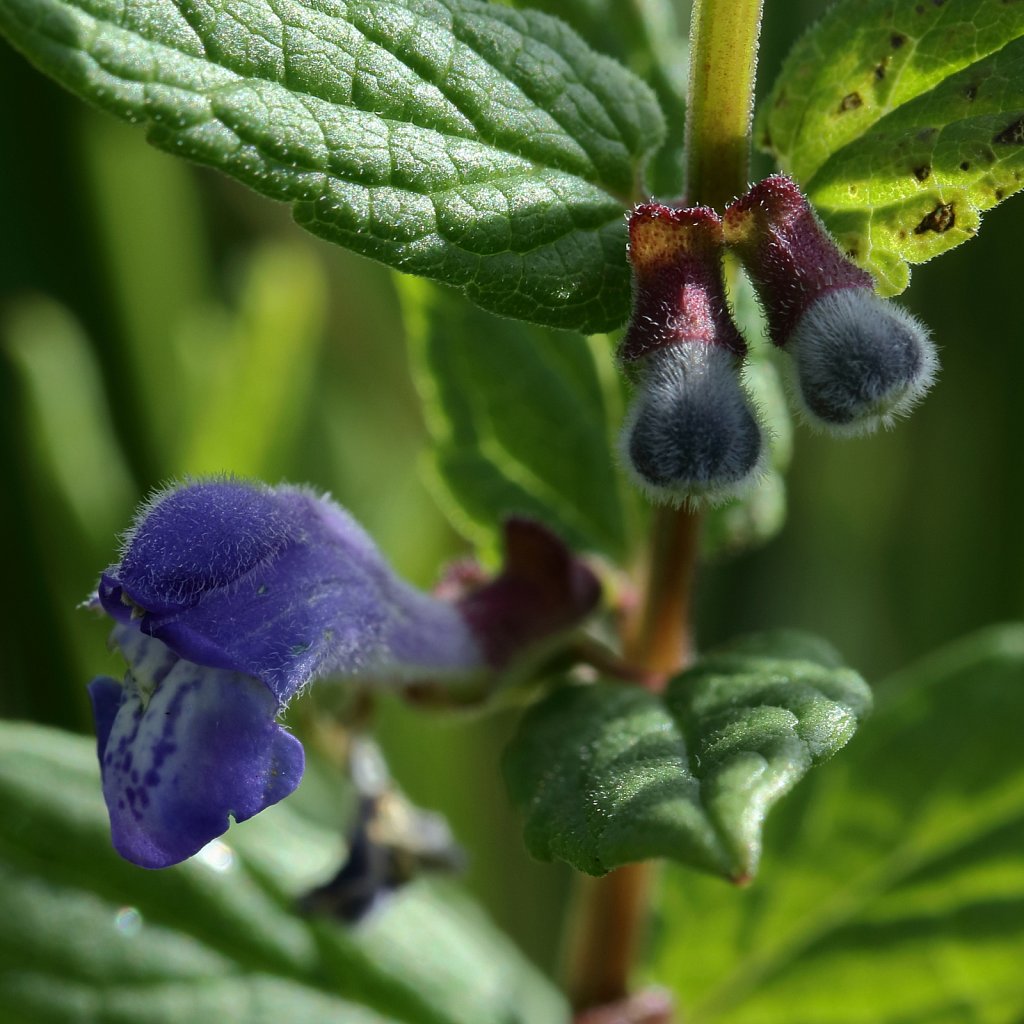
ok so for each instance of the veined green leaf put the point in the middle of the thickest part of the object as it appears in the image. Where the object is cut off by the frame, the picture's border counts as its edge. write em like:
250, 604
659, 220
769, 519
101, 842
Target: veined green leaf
897, 890
608, 774
649, 38
903, 121
476, 374
85, 936
462, 141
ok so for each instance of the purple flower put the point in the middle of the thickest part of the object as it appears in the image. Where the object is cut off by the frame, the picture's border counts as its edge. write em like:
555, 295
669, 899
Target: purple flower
229, 598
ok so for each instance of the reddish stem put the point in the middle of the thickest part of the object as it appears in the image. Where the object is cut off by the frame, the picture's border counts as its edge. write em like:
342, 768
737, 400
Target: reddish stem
611, 913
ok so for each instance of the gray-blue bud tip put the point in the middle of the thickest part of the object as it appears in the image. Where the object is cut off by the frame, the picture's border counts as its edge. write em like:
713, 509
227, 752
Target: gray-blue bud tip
859, 362
690, 434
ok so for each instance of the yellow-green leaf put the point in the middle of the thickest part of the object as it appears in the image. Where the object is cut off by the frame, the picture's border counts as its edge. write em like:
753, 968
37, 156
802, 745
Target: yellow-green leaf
904, 122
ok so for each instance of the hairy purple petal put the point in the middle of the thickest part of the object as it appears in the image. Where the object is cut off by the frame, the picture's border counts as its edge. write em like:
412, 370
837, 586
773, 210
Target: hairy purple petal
278, 584
199, 538
182, 748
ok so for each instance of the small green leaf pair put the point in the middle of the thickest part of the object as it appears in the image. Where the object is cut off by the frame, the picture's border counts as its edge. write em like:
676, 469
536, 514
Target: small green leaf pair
606, 773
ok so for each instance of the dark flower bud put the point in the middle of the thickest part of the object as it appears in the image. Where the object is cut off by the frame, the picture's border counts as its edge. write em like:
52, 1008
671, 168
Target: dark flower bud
690, 433
543, 590
859, 360
390, 842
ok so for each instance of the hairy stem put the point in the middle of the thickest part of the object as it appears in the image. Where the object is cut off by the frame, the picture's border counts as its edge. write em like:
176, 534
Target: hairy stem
660, 639
723, 61
610, 913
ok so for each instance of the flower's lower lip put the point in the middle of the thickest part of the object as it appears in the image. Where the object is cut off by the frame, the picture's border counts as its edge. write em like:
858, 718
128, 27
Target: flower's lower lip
182, 754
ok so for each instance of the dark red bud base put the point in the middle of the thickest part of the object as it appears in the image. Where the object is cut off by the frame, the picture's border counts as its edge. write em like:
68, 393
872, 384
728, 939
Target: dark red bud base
678, 287
787, 252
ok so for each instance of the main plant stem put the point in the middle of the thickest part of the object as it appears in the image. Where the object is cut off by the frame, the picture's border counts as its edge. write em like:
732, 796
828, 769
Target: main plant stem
723, 63
611, 912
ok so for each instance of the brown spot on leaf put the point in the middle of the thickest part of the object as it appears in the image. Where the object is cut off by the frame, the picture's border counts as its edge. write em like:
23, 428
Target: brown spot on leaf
965, 165
1011, 135
851, 101
880, 71
971, 92
923, 172
939, 220
919, 8
896, 40
999, 194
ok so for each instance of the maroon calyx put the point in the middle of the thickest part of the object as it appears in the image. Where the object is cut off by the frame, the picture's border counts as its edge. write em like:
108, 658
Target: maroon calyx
787, 252
678, 287
543, 589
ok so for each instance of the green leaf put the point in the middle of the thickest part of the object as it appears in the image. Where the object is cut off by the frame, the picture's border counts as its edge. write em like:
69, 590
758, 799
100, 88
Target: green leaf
63, 397
463, 141
897, 888
646, 36
157, 272
904, 121
476, 375
85, 936
608, 774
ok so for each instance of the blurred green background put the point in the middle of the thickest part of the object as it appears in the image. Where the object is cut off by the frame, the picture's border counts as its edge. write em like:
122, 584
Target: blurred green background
157, 319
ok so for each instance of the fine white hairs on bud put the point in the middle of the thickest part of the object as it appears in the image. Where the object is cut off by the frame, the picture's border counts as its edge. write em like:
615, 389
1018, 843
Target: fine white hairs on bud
690, 434
859, 362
